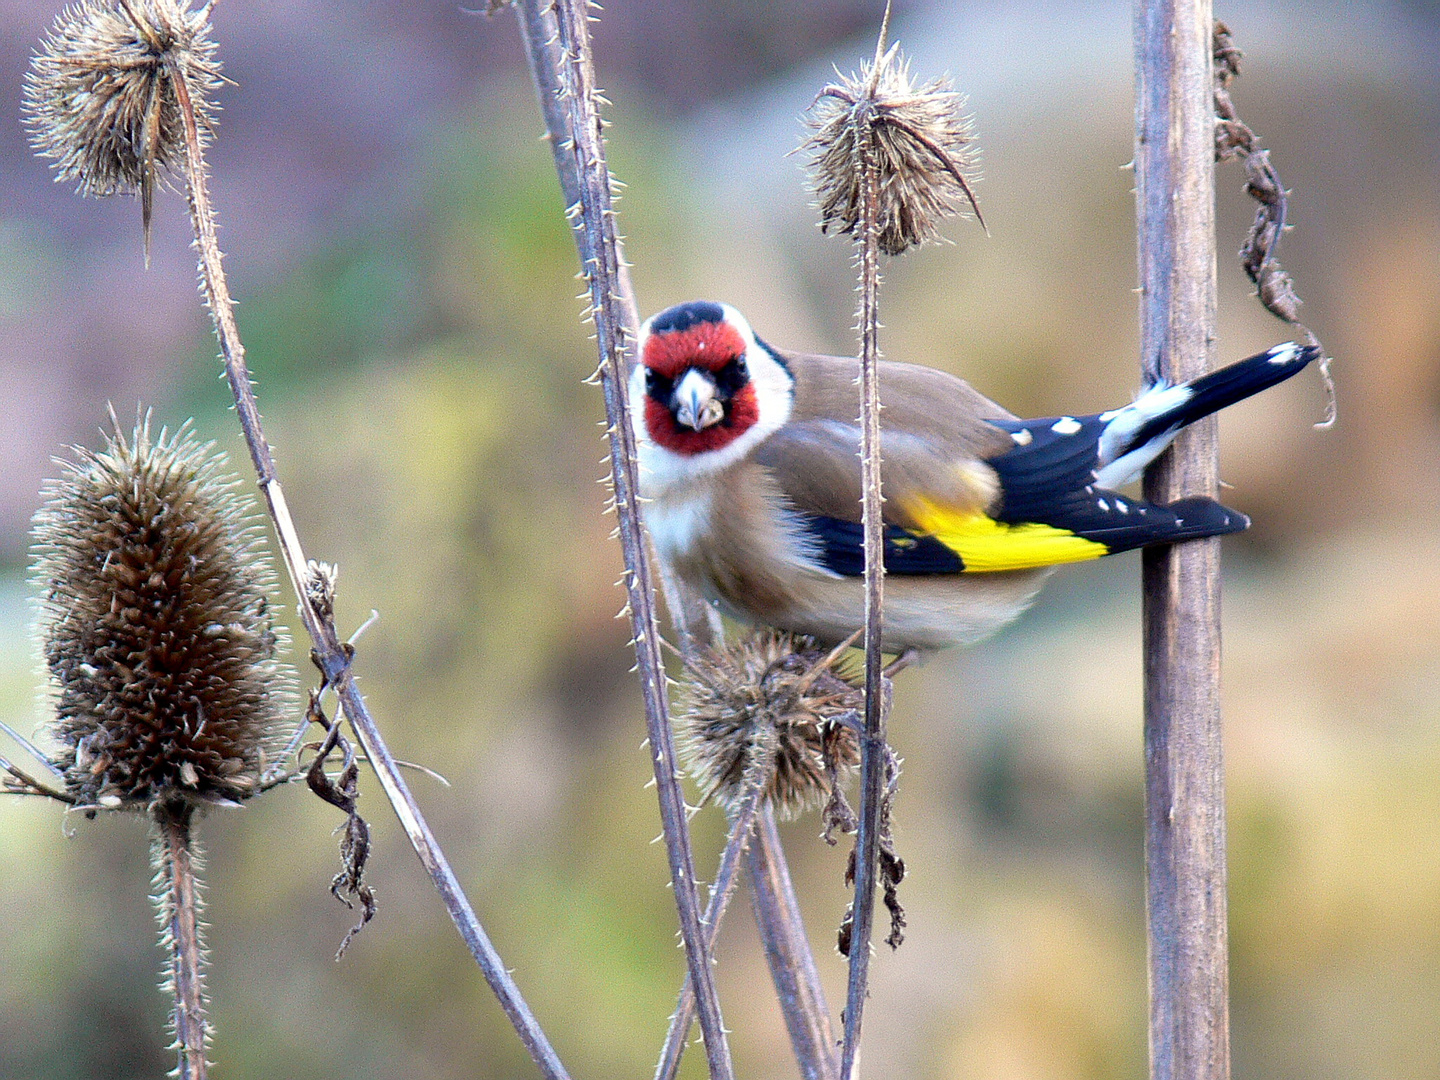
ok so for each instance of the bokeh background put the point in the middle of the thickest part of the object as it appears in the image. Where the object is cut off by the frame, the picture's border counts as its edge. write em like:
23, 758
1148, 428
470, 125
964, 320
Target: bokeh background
393, 229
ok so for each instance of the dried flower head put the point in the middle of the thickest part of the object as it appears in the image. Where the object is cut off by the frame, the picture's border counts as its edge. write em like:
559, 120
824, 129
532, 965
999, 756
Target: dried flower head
917, 142
762, 713
100, 99
156, 626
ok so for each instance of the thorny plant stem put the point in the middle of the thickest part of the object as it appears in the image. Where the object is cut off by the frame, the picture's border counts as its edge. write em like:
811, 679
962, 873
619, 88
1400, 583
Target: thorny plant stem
330, 654
721, 890
542, 51
696, 623
754, 835
787, 950
872, 768
600, 263
180, 909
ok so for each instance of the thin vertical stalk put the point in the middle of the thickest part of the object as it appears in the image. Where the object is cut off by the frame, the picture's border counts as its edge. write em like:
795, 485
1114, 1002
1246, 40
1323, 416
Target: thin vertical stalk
541, 31
600, 262
178, 894
782, 934
872, 768
331, 655
696, 623
1184, 785
721, 890
787, 950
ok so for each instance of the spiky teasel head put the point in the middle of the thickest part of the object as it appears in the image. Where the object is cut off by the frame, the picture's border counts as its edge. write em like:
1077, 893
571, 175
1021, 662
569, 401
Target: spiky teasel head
918, 141
100, 99
762, 712
155, 619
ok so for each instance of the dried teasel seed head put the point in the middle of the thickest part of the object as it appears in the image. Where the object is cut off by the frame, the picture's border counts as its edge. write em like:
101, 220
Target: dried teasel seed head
99, 98
761, 712
155, 619
918, 141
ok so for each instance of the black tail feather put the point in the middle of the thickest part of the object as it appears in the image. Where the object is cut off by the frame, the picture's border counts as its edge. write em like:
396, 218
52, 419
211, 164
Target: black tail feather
1213, 392
1199, 516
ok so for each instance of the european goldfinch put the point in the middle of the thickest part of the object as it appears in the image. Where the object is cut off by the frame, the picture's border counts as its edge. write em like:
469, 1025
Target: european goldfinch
750, 481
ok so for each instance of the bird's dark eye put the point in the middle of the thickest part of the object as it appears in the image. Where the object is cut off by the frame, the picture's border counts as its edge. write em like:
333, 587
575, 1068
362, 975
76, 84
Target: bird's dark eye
658, 386
734, 375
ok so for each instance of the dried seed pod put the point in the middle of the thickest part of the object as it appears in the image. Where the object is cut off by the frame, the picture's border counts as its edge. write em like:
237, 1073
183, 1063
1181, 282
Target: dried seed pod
99, 98
156, 626
918, 141
762, 712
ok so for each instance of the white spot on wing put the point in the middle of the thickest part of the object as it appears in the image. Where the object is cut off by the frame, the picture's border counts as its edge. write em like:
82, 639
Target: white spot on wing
1066, 425
1284, 354
1105, 506
1022, 437
1120, 505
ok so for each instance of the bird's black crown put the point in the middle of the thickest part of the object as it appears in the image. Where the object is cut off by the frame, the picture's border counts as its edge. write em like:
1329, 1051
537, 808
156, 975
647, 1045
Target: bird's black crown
683, 316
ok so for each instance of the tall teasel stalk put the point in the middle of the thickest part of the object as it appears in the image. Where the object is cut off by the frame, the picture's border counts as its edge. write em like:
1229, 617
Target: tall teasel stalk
768, 724
564, 66
153, 59
696, 623
889, 164
156, 624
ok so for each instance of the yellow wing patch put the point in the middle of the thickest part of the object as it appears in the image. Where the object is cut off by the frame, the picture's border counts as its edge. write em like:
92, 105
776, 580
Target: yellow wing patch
986, 544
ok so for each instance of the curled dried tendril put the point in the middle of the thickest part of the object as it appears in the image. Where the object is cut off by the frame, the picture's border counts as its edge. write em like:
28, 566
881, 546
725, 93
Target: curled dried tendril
892, 867
1235, 140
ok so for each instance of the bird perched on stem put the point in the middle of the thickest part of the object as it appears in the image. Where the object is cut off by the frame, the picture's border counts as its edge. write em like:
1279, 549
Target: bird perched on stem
750, 472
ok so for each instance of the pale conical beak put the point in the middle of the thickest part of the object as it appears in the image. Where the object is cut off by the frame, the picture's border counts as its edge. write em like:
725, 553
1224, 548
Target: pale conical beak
695, 402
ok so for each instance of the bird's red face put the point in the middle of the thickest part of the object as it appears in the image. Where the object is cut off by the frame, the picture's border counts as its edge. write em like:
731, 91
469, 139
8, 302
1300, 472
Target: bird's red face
699, 396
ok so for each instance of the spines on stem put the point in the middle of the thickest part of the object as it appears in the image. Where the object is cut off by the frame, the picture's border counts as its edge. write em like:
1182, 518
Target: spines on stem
179, 904
889, 166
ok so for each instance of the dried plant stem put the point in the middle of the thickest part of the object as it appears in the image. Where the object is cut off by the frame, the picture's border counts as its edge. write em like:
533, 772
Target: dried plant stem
179, 900
873, 756
600, 262
330, 654
787, 950
721, 890
542, 51
22, 783
1184, 777
782, 933
696, 622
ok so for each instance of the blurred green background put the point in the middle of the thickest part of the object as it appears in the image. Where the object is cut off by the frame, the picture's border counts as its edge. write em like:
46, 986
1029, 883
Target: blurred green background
408, 299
